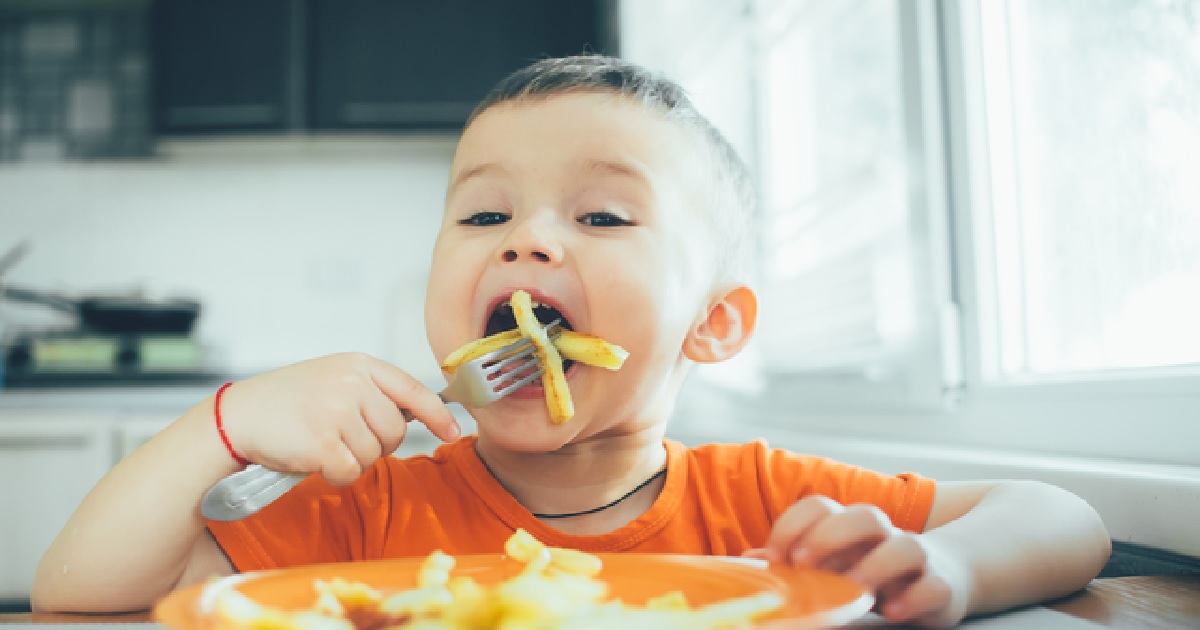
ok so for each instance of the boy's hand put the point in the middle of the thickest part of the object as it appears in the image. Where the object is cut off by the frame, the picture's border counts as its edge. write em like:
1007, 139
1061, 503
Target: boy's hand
912, 582
334, 415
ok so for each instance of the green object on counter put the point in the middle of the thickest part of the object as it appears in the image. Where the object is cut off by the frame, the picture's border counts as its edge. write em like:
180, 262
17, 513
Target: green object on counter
168, 354
89, 354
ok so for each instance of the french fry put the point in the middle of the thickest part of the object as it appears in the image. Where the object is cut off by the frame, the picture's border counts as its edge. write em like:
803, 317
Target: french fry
584, 348
576, 346
232, 609
590, 349
574, 562
675, 600
474, 349
435, 571
554, 382
522, 546
338, 595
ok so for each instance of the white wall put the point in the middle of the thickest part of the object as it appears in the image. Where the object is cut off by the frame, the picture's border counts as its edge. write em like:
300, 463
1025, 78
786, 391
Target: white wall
297, 247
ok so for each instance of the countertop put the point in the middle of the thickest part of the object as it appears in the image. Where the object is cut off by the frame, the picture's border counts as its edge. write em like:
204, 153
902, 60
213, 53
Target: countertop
108, 398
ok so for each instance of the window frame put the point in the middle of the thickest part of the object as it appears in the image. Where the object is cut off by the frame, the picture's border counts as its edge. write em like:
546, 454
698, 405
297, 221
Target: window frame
1148, 414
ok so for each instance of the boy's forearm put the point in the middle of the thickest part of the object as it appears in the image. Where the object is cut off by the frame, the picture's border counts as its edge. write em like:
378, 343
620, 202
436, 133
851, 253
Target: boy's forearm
1024, 542
131, 537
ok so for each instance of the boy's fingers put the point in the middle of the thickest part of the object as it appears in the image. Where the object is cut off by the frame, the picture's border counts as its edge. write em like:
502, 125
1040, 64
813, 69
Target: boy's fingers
899, 559
362, 443
795, 522
385, 421
761, 554
423, 403
927, 601
339, 466
836, 544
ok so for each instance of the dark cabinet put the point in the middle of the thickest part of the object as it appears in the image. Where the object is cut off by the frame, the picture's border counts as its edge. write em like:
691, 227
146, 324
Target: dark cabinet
223, 65
380, 63
336, 65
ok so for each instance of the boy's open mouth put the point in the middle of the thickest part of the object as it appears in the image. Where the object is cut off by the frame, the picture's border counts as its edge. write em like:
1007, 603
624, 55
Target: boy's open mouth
502, 319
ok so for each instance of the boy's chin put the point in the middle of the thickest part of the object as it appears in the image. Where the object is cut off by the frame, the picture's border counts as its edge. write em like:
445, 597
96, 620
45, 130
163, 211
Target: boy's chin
528, 433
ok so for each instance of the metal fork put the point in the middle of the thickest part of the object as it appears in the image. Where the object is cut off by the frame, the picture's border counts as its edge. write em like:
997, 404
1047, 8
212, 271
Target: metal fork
475, 384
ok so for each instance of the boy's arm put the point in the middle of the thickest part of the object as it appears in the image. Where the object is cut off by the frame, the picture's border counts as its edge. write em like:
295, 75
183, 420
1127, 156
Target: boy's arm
1022, 541
987, 546
139, 530
139, 533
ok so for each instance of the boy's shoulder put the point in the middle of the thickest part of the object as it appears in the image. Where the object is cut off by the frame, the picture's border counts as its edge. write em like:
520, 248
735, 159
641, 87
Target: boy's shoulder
761, 458
725, 456
723, 451
758, 449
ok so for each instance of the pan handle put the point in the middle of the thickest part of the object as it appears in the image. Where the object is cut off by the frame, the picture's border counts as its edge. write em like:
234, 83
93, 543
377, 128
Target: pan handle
18, 294
13, 256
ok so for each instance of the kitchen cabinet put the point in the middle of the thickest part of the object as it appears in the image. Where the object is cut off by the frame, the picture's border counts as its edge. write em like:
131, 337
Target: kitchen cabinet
336, 65
382, 64
48, 463
224, 65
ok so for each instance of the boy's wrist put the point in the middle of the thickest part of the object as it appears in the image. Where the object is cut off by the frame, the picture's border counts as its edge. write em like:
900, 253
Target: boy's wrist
199, 431
219, 421
953, 565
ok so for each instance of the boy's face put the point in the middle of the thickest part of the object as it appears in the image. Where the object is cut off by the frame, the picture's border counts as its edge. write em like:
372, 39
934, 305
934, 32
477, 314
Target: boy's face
590, 202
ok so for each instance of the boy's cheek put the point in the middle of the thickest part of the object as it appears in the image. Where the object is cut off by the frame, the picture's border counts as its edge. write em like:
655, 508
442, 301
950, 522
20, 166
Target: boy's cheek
439, 329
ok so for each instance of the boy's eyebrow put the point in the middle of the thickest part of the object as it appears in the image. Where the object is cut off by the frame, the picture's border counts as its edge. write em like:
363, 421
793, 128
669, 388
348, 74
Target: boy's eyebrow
623, 169
476, 171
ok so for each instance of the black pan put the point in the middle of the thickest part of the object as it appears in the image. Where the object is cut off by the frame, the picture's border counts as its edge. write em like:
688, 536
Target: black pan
117, 314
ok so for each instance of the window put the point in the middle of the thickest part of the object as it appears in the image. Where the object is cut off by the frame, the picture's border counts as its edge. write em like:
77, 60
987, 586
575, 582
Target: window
856, 307
1093, 127
835, 208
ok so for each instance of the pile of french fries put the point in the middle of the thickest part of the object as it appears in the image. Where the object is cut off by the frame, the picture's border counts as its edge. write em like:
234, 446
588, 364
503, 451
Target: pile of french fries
568, 344
557, 588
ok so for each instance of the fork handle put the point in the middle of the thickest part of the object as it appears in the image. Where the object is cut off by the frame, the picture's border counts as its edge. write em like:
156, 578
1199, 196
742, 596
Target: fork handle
243, 493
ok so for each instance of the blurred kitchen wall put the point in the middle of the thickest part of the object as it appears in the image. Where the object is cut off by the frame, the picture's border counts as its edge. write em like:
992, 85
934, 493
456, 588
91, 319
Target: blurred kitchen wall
297, 246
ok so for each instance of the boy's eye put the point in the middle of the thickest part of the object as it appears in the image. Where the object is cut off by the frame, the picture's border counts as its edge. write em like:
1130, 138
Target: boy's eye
602, 218
485, 218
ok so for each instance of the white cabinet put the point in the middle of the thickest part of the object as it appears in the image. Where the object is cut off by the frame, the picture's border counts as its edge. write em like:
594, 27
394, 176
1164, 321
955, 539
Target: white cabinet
48, 463
55, 444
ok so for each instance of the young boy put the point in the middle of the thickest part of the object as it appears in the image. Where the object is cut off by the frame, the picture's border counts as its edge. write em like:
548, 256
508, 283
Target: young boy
601, 191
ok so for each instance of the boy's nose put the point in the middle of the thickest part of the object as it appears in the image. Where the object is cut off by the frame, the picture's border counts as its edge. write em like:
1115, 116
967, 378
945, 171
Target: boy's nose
532, 241
511, 255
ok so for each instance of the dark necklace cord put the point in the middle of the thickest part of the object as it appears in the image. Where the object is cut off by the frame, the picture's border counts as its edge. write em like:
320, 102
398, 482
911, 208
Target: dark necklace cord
609, 505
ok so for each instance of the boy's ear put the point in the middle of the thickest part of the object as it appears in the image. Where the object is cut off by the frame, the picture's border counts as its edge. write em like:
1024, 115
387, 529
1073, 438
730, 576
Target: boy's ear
725, 329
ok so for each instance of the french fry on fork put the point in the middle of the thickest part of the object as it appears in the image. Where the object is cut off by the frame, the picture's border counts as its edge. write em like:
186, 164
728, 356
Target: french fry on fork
565, 344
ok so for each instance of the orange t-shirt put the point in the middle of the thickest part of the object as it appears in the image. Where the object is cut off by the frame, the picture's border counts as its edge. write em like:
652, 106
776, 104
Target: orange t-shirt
718, 499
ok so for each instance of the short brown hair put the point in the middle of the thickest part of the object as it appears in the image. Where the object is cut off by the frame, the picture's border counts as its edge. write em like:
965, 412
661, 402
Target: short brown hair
731, 215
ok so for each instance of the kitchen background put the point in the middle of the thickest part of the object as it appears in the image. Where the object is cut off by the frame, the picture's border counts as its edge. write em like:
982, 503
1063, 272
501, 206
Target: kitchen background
282, 164
293, 247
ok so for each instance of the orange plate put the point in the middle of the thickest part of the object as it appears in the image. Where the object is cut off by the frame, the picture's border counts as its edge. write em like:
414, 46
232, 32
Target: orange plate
813, 598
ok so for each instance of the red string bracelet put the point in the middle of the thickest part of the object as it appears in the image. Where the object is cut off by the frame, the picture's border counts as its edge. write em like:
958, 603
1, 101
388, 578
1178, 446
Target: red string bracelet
221, 427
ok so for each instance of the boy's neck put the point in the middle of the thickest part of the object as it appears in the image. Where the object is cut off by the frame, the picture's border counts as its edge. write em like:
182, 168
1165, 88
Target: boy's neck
583, 476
